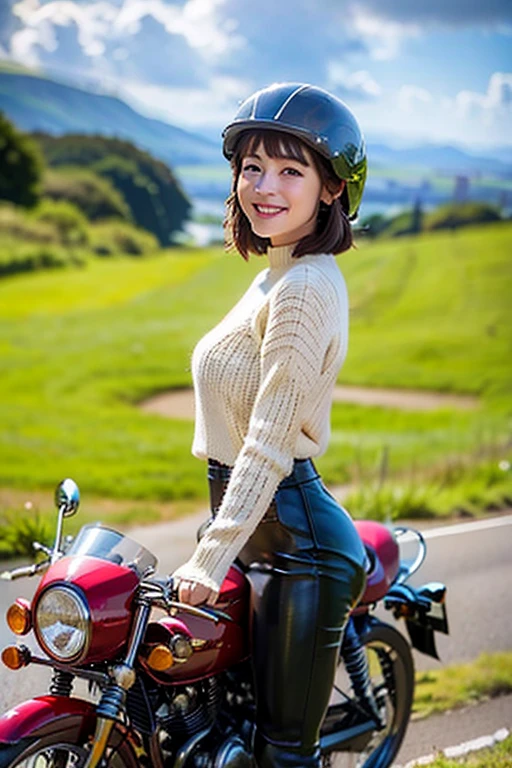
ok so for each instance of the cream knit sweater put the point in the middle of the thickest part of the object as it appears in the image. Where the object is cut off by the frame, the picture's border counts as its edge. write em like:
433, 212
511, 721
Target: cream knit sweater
263, 380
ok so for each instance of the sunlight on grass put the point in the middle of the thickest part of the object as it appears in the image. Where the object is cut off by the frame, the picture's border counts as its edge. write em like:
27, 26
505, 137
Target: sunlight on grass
107, 283
499, 756
455, 686
81, 347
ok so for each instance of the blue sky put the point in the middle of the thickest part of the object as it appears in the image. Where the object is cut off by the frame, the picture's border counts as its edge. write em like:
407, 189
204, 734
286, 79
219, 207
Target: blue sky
412, 71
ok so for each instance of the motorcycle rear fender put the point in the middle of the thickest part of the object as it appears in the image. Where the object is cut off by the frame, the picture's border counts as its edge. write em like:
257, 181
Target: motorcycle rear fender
33, 716
424, 610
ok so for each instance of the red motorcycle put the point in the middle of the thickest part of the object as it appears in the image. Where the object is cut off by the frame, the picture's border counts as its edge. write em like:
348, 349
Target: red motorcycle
170, 685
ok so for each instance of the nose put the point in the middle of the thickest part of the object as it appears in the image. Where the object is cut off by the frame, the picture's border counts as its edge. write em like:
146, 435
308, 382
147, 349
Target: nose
266, 184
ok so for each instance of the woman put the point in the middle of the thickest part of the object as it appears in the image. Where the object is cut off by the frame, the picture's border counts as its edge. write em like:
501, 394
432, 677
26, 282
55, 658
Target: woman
263, 381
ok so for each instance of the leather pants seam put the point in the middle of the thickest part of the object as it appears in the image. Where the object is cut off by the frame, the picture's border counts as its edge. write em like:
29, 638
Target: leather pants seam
313, 657
308, 512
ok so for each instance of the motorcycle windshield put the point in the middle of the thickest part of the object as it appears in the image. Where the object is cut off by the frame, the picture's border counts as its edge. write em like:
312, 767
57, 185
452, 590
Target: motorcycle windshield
107, 544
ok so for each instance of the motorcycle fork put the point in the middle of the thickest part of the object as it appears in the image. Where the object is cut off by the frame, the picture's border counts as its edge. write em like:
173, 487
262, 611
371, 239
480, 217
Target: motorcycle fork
113, 700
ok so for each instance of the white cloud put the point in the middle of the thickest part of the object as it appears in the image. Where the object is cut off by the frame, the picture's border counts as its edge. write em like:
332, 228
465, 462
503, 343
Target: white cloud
144, 39
24, 46
92, 21
410, 97
470, 117
193, 108
494, 104
383, 36
100, 22
196, 20
499, 92
359, 84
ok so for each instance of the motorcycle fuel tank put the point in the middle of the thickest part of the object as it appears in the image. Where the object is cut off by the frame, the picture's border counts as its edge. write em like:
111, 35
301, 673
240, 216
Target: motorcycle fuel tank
216, 646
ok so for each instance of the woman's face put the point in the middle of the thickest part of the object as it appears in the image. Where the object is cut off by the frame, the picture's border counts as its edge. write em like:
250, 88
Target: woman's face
280, 196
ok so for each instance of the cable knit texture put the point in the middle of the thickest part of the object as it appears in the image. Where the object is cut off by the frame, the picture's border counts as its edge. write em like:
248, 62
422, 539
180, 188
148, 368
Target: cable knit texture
263, 381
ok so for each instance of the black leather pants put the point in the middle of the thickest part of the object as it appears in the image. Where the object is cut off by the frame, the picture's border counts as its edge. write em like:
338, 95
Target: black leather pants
305, 563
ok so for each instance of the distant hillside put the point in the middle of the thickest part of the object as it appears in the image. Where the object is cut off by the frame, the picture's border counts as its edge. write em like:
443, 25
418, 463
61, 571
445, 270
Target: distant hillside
39, 104
445, 159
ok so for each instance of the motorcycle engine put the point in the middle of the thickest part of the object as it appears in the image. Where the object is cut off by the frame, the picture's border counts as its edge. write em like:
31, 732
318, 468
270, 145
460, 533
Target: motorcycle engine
182, 712
189, 709
231, 754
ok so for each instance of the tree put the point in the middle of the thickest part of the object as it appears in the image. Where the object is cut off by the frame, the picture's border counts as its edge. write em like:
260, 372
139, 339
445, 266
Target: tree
21, 166
374, 225
96, 197
417, 217
155, 198
455, 215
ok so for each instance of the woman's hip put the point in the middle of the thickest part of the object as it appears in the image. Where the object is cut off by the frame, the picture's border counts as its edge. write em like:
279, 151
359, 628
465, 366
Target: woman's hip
304, 529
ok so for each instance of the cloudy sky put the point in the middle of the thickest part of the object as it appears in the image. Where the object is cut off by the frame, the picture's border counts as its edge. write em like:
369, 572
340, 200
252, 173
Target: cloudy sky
435, 70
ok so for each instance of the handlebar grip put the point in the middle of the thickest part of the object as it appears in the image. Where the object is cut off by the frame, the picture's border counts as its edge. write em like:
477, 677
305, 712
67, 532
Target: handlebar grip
24, 570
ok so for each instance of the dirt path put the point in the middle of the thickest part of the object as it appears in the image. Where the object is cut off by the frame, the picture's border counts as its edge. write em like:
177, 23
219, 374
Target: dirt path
179, 403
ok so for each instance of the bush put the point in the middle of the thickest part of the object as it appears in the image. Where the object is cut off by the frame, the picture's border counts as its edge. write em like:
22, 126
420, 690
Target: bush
110, 237
19, 531
17, 256
155, 198
374, 225
69, 221
21, 166
95, 196
455, 215
401, 224
15, 223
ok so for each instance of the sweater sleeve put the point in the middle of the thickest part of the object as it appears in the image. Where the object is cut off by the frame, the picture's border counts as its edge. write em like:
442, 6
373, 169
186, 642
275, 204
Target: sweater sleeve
299, 329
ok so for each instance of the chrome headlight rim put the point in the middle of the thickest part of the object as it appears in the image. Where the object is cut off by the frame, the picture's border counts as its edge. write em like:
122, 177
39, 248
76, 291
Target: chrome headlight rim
85, 612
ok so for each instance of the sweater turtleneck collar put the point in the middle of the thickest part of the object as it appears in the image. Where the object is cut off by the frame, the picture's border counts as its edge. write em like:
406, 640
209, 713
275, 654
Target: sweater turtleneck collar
280, 256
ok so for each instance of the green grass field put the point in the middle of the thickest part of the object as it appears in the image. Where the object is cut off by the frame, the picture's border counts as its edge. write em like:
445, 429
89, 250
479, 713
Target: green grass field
80, 347
499, 756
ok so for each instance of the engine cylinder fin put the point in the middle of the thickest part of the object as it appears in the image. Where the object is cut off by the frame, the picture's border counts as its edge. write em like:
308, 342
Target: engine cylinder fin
191, 709
139, 709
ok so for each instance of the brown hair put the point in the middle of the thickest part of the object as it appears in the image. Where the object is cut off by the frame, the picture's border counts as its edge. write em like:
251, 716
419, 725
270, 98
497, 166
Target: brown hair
333, 233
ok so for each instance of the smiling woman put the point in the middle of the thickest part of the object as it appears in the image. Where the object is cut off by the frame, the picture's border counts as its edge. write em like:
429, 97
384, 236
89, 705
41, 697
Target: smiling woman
264, 380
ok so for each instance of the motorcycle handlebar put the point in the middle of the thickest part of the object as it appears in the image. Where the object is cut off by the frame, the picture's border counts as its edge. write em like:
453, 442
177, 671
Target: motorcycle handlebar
24, 570
163, 587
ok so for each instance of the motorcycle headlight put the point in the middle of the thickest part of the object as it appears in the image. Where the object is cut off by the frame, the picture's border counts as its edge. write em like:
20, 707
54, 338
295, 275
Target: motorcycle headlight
62, 623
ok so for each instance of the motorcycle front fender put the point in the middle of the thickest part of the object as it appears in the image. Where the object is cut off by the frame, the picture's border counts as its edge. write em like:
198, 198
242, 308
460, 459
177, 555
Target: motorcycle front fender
50, 719
33, 717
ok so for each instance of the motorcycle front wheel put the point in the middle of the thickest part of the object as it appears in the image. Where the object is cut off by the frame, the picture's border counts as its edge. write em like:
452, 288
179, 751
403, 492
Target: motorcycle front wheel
53, 751
392, 674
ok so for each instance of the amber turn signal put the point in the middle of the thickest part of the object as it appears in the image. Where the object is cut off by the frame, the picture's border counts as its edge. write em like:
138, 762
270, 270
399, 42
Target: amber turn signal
19, 618
14, 657
160, 658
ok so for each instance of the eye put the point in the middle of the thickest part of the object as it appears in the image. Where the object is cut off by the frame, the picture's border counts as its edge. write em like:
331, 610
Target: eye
252, 167
292, 172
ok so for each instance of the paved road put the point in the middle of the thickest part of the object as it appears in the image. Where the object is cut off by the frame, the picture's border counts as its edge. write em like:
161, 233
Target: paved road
472, 559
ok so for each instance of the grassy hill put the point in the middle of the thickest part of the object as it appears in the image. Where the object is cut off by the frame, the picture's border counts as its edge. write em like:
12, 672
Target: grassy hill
79, 348
37, 103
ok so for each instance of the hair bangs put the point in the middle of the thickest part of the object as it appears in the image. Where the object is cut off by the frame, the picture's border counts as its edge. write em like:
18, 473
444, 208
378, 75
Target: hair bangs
277, 144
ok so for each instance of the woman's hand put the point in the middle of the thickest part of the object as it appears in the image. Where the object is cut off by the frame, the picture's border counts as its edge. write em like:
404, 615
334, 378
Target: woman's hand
195, 593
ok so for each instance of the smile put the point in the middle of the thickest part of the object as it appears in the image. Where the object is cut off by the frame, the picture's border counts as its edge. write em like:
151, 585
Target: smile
268, 210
